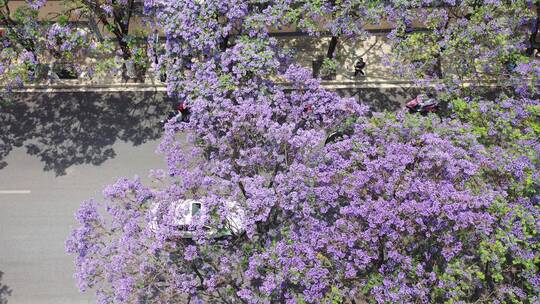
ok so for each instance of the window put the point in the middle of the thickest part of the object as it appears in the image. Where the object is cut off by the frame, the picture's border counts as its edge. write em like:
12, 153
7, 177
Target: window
195, 208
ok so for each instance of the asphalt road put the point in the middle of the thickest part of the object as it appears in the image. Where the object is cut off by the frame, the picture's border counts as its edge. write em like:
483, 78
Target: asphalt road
62, 149
58, 149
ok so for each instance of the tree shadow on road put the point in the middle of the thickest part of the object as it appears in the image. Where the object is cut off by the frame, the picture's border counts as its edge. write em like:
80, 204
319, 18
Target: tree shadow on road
64, 129
382, 99
5, 291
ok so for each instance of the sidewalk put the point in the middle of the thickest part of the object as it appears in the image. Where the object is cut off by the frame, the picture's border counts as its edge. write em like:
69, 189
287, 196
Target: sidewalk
157, 86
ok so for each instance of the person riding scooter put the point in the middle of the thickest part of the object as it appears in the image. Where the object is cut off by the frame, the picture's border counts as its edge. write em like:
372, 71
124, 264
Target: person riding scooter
423, 104
180, 115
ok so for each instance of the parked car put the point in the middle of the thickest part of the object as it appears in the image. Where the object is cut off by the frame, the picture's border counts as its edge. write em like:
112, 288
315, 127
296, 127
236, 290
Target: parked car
184, 213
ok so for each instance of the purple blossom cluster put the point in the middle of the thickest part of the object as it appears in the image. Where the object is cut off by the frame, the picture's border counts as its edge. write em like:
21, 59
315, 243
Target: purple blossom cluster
29, 43
66, 42
19, 42
338, 204
124, 213
465, 43
51, 38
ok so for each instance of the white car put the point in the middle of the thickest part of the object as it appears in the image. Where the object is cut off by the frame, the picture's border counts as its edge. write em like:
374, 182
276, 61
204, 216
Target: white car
184, 211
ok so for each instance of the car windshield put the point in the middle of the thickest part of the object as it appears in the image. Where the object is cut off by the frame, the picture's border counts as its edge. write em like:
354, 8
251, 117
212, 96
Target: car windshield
195, 208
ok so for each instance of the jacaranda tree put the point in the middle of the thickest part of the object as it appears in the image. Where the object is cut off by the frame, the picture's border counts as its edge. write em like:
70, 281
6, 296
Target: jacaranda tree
34, 46
20, 43
332, 205
465, 47
33, 41
115, 18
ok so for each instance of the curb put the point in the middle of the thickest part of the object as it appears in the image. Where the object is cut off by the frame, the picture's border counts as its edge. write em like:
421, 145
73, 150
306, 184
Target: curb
160, 87
143, 87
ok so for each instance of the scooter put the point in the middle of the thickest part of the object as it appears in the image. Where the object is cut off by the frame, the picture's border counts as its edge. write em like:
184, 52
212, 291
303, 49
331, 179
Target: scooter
419, 105
181, 114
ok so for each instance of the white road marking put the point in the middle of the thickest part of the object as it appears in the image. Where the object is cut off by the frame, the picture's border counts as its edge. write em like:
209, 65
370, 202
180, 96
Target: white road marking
15, 191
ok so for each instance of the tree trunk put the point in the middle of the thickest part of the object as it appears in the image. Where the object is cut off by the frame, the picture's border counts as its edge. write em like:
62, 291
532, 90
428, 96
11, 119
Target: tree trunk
332, 47
126, 55
438, 66
534, 33
224, 43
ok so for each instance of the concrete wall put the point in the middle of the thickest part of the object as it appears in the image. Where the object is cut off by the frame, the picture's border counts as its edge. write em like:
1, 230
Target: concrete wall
52, 7
372, 50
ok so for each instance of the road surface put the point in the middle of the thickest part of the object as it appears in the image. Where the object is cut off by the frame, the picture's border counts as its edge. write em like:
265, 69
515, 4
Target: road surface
72, 146
58, 149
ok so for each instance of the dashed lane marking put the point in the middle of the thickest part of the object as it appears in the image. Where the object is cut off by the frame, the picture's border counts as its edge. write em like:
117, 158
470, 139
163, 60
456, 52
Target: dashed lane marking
15, 191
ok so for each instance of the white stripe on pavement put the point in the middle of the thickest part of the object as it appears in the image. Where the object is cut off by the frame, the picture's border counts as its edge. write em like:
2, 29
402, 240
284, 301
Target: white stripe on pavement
15, 191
